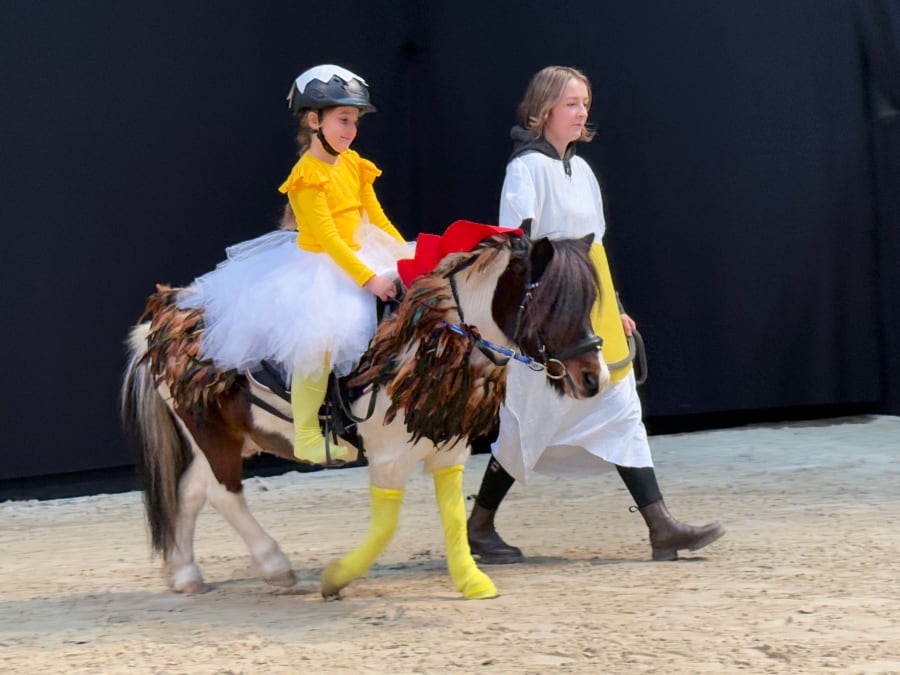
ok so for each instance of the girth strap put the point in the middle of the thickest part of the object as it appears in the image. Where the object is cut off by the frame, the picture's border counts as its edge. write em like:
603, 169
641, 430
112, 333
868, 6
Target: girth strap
272, 410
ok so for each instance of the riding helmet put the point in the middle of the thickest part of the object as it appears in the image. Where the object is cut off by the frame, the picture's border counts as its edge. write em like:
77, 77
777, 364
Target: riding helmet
327, 86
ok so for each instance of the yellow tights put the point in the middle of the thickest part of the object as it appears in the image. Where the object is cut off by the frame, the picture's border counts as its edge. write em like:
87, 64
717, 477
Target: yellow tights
307, 396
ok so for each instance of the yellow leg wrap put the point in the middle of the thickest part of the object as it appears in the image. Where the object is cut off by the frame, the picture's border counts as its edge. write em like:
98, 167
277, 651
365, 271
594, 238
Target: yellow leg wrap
307, 396
385, 515
469, 580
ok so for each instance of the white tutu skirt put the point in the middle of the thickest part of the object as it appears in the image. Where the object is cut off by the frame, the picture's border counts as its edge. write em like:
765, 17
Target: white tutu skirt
272, 301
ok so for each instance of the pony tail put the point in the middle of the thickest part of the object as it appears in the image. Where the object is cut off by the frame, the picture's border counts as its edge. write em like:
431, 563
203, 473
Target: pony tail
165, 452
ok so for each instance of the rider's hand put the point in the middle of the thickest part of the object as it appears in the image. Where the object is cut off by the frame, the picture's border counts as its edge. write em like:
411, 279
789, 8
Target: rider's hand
628, 324
382, 287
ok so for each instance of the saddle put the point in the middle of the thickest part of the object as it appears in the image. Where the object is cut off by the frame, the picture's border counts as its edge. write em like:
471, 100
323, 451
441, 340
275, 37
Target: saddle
335, 417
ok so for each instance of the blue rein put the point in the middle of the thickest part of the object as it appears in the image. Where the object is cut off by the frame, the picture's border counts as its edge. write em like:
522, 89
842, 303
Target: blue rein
483, 344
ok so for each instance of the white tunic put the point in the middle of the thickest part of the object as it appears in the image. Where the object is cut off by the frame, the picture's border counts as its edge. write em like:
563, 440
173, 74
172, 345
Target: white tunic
539, 429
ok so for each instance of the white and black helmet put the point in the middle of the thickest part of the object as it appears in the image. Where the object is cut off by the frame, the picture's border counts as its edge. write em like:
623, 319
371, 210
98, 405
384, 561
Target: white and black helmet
327, 86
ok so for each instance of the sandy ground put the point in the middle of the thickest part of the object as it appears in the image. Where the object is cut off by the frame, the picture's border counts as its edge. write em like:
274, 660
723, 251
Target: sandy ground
805, 580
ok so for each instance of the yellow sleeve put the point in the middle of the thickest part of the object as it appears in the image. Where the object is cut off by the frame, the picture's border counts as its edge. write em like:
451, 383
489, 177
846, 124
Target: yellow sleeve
605, 317
368, 172
311, 209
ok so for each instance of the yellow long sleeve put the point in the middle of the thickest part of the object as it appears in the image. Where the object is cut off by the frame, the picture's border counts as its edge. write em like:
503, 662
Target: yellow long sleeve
328, 202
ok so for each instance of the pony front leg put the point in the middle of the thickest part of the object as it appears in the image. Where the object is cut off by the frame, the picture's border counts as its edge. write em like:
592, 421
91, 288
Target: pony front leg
468, 579
385, 516
391, 462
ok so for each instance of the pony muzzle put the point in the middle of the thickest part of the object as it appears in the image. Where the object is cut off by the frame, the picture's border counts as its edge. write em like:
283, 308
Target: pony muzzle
581, 366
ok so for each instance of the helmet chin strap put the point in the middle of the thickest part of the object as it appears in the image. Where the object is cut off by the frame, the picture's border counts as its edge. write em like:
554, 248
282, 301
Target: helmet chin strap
325, 144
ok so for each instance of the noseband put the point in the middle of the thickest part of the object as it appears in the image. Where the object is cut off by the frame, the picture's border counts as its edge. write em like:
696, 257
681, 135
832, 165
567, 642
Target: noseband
551, 363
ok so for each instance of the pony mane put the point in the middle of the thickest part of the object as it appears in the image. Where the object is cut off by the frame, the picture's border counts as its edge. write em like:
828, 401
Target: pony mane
428, 369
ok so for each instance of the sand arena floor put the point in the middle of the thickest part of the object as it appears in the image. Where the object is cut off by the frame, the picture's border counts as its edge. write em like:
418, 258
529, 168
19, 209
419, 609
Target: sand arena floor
806, 580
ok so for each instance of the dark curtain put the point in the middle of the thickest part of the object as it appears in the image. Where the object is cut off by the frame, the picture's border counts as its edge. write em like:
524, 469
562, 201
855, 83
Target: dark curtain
879, 25
747, 151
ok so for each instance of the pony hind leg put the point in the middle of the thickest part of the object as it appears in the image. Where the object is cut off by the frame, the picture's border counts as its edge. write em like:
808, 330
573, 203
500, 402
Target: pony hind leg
180, 569
270, 562
223, 461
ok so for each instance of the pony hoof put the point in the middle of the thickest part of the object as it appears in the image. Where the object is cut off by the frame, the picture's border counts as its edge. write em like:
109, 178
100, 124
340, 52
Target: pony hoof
330, 583
479, 587
188, 580
195, 587
487, 594
283, 579
482, 593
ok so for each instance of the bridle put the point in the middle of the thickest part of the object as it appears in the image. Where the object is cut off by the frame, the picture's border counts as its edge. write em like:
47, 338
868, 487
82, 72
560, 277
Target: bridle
551, 363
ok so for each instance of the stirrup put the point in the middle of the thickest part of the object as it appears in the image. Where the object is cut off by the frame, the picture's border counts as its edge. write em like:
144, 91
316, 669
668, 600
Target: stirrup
325, 423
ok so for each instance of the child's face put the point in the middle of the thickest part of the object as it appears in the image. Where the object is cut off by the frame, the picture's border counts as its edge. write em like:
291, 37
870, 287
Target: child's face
567, 117
340, 126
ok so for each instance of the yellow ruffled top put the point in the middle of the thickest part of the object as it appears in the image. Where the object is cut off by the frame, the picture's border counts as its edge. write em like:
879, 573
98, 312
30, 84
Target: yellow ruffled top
328, 201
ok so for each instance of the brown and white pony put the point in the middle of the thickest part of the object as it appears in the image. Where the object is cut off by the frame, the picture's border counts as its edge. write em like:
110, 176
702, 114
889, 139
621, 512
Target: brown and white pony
436, 371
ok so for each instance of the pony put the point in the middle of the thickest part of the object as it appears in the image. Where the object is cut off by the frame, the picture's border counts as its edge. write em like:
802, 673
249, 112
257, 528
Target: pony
432, 378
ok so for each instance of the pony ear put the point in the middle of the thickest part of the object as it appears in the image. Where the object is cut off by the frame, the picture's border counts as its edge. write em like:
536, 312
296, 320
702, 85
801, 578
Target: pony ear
541, 255
525, 226
586, 241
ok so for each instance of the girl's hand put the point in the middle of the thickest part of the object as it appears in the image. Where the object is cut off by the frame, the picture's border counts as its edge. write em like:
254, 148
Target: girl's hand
382, 287
628, 324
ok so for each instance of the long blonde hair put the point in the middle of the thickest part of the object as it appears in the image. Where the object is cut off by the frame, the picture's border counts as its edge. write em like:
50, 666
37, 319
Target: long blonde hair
304, 139
543, 92
304, 131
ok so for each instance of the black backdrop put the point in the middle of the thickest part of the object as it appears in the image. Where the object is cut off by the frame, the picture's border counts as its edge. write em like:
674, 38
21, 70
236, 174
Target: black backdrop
748, 152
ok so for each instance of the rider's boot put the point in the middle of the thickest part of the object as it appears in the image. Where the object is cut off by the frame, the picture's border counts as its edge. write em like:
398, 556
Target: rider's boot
307, 396
668, 536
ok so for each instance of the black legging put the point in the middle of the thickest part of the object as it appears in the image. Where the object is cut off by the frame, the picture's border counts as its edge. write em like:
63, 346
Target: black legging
640, 481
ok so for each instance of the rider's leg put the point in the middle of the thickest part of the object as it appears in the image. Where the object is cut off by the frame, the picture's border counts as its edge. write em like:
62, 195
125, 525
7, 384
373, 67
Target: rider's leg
667, 535
307, 396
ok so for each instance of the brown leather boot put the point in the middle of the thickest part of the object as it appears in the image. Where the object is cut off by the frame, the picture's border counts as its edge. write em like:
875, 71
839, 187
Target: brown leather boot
486, 543
668, 536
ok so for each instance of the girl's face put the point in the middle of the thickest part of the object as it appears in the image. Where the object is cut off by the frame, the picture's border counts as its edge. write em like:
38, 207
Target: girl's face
567, 117
340, 126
